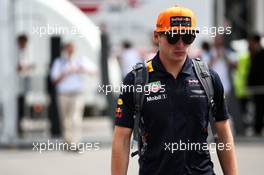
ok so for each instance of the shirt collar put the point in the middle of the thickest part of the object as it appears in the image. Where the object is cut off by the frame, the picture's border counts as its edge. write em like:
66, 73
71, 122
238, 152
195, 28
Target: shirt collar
157, 65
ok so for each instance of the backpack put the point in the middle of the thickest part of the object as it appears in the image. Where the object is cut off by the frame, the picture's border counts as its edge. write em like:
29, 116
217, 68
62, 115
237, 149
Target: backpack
141, 79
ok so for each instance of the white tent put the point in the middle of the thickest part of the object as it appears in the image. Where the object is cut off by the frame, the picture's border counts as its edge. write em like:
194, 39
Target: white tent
40, 20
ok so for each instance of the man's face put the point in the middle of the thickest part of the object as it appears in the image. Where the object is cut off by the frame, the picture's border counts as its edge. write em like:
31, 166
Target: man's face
22, 44
173, 52
219, 41
69, 49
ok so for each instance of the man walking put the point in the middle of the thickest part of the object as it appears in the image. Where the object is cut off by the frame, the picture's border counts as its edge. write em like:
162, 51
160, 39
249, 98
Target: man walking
176, 114
66, 74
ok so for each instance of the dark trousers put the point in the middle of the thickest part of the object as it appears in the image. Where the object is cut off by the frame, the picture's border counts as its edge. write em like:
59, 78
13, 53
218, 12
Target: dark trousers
259, 113
20, 113
243, 105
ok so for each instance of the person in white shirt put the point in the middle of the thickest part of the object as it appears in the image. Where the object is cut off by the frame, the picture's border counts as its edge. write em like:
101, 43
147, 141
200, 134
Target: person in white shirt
128, 58
24, 67
223, 61
67, 74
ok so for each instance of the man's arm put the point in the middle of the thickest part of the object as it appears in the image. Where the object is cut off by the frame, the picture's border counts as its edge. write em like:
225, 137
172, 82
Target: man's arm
120, 150
62, 75
227, 156
59, 79
88, 67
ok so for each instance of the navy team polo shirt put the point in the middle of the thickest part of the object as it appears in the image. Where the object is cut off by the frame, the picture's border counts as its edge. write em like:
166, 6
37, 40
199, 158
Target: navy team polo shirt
174, 112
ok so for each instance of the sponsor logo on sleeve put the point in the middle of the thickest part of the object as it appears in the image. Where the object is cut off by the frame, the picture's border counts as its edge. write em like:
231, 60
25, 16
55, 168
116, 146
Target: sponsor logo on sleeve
119, 113
120, 101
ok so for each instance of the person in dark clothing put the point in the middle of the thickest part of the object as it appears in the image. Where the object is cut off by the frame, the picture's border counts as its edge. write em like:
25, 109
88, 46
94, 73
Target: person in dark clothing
256, 80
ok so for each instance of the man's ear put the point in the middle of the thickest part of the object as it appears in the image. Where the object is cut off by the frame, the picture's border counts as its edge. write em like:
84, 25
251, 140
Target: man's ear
156, 37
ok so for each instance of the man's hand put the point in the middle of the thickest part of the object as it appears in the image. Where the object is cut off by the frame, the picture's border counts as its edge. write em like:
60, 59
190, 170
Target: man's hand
120, 150
227, 156
69, 71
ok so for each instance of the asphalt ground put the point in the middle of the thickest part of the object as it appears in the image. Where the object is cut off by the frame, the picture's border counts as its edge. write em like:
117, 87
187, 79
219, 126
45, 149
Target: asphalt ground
21, 158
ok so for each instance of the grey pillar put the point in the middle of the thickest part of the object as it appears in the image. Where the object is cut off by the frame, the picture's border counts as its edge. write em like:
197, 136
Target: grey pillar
8, 77
219, 8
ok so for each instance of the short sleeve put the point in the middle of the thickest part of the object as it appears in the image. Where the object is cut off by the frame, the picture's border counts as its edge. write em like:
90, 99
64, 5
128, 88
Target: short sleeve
55, 70
232, 56
88, 65
125, 104
219, 98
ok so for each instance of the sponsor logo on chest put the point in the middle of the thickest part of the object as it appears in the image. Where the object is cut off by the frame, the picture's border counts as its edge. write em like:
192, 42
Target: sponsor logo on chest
157, 97
193, 82
154, 86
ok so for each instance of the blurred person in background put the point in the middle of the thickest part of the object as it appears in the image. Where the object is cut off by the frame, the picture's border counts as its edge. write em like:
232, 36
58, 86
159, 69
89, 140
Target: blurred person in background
223, 61
128, 57
66, 74
256, 80
206, 53
25, 67
240, 86
153, 49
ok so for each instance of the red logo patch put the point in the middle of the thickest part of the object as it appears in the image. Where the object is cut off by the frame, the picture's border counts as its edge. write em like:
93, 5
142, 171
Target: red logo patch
119, 113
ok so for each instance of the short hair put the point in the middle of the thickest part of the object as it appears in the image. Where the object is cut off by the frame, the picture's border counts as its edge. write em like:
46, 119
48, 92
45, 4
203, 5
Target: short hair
206, 46
22, 38
127, 44
255, 37
64, 45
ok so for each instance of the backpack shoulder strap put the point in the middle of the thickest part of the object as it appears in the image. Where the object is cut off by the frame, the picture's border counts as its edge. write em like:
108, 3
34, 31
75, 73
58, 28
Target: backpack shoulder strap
203, 74
140, 75
141, 79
